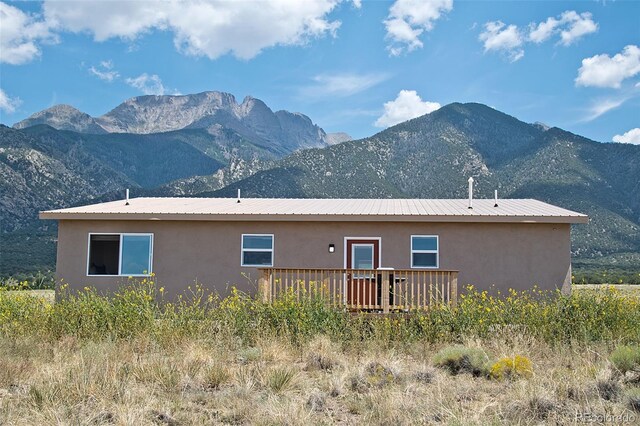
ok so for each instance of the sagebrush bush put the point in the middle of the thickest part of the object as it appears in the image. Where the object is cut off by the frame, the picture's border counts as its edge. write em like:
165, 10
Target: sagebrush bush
626, 358
512, 368
462, 359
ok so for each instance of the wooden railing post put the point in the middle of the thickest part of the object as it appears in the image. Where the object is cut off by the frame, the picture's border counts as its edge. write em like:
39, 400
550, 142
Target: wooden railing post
385, 292
453, 290
264, 285
325, 291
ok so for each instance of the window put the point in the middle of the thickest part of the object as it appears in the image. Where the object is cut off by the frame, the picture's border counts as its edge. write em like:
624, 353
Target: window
120, 254
257, 250
424, 251
362, 256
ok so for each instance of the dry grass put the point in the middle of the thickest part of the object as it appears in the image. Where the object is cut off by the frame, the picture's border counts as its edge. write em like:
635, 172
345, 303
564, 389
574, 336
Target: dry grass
48, 295
630, 289
130, 361
215, 381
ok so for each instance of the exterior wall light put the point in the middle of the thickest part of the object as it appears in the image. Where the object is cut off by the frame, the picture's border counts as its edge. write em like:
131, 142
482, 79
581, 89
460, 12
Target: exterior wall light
332, 248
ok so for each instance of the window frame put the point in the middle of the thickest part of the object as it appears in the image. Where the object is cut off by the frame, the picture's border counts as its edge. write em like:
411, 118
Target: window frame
121, 235
436, 251
272, 250
373, 259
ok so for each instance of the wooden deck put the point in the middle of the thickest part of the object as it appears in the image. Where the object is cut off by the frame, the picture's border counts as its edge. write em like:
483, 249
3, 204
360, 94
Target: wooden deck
372, 290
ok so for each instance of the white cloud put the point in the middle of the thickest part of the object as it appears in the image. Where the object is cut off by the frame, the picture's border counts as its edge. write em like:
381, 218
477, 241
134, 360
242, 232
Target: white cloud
632, 137
105, 71
602, 106
543, 31
408, 19
342, 85
578, 26
405, 106
202, 28
20, 35
147, 84
510, 40
570, 25
605, 71
501, 37
8, 104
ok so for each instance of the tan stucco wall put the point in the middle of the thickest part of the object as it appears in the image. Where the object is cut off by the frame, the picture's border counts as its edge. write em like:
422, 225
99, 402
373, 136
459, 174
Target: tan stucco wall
505, 255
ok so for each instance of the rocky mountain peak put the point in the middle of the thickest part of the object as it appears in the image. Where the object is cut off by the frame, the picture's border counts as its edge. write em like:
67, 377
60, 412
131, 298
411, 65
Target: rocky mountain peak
281, 132
252, 106
541, 126
338, 137
62, 117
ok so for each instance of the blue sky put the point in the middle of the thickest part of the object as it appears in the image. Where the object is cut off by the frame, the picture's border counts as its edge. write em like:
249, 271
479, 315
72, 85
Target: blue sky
353, 66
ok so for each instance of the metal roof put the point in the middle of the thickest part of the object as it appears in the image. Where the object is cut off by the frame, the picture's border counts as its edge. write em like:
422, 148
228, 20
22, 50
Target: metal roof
314, 209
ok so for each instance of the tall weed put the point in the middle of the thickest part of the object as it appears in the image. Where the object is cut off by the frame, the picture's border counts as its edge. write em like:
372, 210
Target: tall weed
139, 308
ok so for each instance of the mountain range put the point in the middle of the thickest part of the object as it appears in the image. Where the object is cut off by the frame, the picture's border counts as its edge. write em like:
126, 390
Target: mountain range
279, 131
209, 145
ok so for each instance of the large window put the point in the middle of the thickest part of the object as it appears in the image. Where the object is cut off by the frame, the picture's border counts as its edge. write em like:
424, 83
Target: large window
120, 254
424, 251
257, 250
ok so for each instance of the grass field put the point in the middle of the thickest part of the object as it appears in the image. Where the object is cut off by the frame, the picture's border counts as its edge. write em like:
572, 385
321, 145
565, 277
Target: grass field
48, 295
88, 360
204, 381
632, 288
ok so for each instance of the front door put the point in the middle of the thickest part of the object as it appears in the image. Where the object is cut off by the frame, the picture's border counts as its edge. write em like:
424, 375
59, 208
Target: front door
363, 257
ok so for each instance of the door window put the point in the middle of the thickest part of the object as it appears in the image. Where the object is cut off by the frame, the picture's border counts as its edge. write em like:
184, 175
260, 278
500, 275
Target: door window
362, 257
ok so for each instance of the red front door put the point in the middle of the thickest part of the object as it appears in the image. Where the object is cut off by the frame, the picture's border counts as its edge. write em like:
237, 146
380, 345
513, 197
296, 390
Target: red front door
363, 255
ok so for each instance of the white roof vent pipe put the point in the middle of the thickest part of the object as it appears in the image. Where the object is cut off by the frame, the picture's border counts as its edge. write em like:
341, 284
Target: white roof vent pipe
470, 192
238, 195
495, 198
126, 197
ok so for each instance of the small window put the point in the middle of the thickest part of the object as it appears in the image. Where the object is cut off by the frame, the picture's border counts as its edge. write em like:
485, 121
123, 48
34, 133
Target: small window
424, 251
120, 254
257, 250
362, 256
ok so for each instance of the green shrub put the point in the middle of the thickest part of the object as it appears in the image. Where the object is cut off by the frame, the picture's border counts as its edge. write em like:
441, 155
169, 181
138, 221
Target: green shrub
30, 281
280, 379
129, 312
626, 358
137, 308
462, 359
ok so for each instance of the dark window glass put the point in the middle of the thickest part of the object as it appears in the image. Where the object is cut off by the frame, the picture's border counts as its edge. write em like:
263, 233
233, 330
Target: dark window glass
256, 258
104, 252
425, 260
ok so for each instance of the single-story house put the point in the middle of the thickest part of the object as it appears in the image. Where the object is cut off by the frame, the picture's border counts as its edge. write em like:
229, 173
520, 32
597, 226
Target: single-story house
423, 247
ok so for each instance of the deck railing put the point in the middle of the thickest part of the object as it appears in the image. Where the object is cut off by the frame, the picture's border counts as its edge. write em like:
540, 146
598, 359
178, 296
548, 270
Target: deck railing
363, 289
